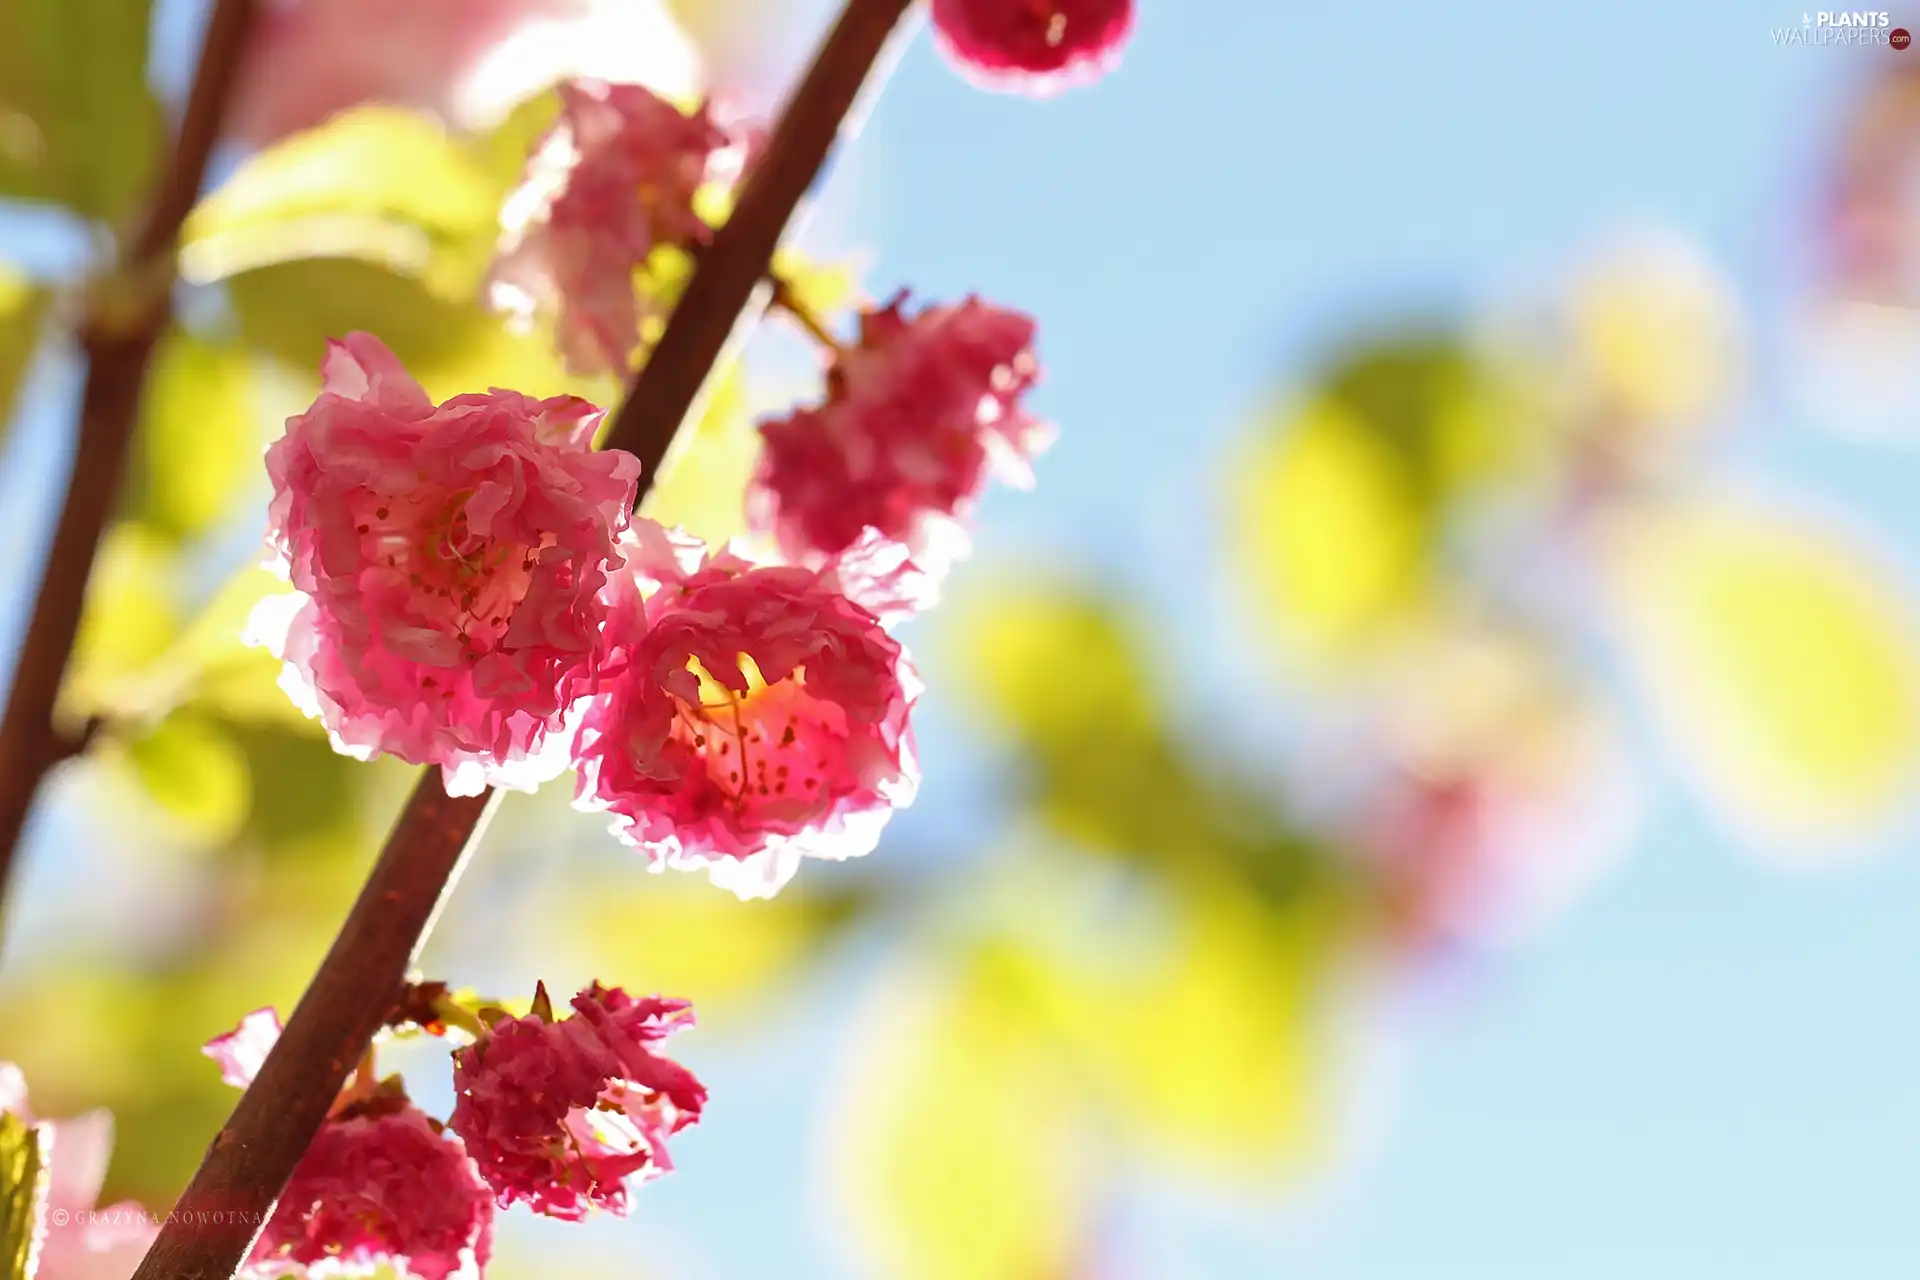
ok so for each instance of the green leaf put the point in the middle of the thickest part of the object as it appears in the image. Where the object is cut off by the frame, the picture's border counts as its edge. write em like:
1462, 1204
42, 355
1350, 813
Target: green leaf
196, 773
23, 1196
1332, 529
501, 152
1777, 653
377, 183
703, 480
1242, 1086
290, 309
78, 124
306, 807
198, 439
132, 615
22, 306
958, 1141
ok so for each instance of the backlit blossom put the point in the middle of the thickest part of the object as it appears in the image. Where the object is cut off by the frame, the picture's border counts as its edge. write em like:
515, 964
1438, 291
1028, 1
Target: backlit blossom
750, 716
381, 1184
919, 414
613, 179
1033, 46
564, 1115
448, 561
468, 61
77, 1241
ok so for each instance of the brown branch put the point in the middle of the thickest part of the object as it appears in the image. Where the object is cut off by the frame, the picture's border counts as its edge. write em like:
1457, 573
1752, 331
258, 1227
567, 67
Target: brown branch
127, 315
223, 1209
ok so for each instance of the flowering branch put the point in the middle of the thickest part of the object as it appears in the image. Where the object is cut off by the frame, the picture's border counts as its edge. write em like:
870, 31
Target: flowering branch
251, 1158
125, 319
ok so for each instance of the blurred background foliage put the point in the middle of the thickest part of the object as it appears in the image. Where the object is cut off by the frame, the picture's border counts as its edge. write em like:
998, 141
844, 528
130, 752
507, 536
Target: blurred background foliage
1460, 545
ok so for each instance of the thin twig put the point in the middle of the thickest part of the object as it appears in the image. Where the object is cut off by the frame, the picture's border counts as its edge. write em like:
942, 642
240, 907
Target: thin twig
128, 313
223, 1209
788, 301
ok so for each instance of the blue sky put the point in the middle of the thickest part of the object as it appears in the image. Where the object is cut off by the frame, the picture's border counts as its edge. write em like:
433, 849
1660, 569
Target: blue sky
1709, 1067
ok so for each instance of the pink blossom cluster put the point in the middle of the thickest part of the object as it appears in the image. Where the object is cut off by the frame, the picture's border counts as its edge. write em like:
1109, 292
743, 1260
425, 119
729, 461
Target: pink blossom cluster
559, 1114
613, 180
918, 416
472, 589
562, 1115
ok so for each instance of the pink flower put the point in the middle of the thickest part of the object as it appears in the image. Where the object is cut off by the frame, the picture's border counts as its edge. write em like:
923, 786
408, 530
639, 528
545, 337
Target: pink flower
1037, 47
917, 418
448, 562
614, 179
468, 61
561, 1115
381, 1184
749, 716
380, 1189
77, 1241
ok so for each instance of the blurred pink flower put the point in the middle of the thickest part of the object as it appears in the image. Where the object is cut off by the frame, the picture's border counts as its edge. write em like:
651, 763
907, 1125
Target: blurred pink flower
918, 415
381, 1184
561, 1115
1037, 47
749, 716
78, 1241
613, 179
448, 562
468, 61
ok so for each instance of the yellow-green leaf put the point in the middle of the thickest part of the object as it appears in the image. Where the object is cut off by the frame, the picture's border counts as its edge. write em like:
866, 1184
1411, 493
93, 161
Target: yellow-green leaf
1084, 956
1051, 662
1780, 658
132, 614
703, 481
21, 307
23, 1196
1332, 529
675, 933
956, 1144
196, 773
199, 435
78, 123
290, 309
375, 182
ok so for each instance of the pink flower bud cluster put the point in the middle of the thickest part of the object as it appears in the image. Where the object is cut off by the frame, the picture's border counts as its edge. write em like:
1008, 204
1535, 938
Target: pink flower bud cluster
563, 1115
918, 416
559, 1115
1036, 47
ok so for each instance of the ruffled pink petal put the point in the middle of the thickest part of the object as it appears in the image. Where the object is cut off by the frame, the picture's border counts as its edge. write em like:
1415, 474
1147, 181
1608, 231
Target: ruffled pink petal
242, 1051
